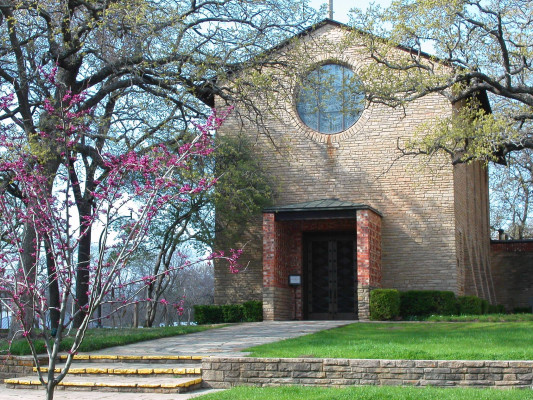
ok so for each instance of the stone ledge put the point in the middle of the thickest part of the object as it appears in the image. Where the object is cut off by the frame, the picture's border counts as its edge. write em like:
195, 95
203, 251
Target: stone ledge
16, 366
224, 372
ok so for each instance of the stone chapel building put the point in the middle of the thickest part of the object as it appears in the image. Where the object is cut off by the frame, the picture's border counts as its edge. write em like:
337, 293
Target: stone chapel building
350, 215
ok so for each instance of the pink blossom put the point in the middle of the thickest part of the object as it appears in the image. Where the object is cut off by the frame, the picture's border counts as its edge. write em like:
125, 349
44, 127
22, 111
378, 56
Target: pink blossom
50, 211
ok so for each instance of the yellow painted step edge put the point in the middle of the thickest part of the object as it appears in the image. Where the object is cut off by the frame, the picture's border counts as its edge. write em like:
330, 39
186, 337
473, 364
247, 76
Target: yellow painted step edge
127, 371
149, 385
163, 370
84, 384
123, 371
117, 384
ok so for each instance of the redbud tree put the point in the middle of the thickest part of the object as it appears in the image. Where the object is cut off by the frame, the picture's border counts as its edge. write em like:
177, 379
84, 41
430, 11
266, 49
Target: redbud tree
48, 209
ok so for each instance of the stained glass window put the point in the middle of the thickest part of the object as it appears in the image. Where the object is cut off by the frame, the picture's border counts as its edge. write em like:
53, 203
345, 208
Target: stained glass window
330, 99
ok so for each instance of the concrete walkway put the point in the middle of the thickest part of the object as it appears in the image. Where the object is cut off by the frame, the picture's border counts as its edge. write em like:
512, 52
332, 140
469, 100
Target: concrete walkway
227, 341
28, 394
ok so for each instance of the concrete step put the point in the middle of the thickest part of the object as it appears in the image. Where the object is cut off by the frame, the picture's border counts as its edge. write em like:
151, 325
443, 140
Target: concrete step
130, 368
126, 373
107, 383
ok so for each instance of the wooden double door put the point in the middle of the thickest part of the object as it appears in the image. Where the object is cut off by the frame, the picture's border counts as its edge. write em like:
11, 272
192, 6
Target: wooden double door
330, 271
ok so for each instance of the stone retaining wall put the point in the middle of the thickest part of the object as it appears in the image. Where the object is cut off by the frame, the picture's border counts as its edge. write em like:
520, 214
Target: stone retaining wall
218, 372
15, 366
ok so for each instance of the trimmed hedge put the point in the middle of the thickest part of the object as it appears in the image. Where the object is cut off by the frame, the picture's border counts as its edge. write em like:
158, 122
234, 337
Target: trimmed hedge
384, 304
427, 302
496, 309
484, 307
423, 303
253, 311
232, 312
208, 314
470, 305
522, 310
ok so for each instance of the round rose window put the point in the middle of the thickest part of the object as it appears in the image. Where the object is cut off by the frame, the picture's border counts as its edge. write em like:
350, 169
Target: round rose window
330, 99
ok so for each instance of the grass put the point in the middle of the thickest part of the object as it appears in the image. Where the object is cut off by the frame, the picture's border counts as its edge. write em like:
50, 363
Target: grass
482, 318
97, 339
368, 393
415, 341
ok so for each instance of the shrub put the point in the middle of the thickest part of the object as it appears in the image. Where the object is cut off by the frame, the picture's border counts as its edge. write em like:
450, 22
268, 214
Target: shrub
496, 309
232, 312
253, 311
208, 314
384, 304
522, 310
484, 306
470, 305
427, 302
446, 303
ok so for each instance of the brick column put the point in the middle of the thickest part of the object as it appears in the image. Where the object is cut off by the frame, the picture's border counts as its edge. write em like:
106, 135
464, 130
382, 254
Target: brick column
368, 259
277, 296
269, 264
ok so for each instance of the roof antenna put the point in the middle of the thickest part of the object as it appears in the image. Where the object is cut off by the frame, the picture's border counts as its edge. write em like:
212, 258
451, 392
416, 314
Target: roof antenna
330, 9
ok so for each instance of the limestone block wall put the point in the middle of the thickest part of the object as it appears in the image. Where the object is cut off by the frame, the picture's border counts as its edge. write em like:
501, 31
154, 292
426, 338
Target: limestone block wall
247, 284
363, 164
223, 373
16, 366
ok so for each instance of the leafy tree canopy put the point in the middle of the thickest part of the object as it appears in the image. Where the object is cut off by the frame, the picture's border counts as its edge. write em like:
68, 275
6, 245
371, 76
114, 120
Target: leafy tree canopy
511, 196
477, 47
147, 67
141, 72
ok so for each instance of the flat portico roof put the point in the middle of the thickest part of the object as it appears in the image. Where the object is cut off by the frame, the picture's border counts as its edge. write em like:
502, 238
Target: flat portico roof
318, 209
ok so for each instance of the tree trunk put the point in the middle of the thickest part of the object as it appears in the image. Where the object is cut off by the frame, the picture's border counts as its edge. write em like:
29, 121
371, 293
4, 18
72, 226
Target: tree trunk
53, 288
50, 389
135, 315
151, 310
82, 270
28, 275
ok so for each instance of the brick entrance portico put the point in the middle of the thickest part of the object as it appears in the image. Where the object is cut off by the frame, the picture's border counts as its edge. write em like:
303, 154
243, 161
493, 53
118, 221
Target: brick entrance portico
283, 242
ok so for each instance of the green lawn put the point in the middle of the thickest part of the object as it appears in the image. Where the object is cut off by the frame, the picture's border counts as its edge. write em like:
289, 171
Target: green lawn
96, 339
368, 393
481, 318
416, 341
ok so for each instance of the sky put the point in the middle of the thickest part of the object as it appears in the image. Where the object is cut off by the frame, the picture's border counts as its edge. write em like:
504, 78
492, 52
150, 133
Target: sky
341, 7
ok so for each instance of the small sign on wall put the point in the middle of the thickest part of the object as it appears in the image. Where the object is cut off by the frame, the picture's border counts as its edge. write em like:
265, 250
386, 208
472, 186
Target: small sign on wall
295, 280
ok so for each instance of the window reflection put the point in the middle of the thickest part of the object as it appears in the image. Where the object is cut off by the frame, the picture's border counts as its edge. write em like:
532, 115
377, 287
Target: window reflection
330, 99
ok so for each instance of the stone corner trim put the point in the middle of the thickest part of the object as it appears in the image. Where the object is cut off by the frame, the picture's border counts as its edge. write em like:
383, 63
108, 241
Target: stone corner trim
222, 372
